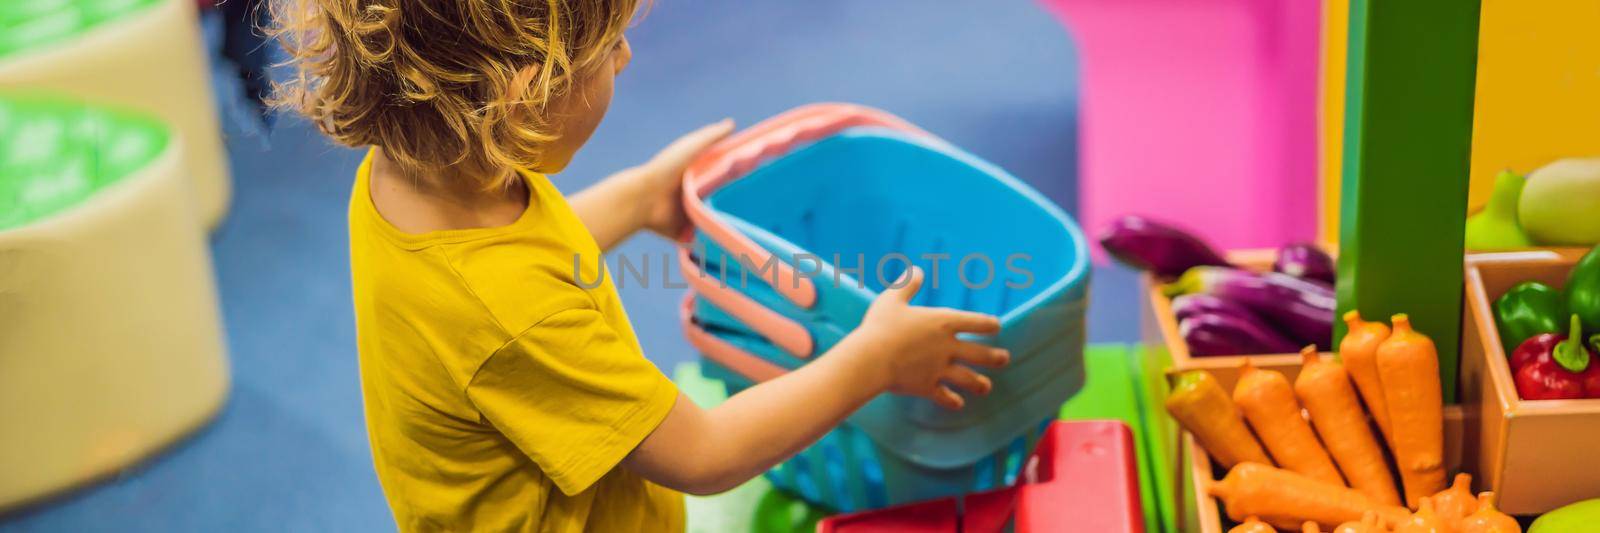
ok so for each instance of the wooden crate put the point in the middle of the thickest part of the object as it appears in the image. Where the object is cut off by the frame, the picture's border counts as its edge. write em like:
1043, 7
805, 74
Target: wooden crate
1202, 513
1165, 356
1534, 454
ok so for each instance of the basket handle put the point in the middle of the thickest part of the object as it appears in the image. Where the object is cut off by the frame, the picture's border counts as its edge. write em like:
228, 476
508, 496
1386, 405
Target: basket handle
786, 333
722, 352
736, 156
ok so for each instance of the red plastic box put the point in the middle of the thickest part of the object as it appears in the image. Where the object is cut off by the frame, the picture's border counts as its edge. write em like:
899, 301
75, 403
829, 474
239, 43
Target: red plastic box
1082, 477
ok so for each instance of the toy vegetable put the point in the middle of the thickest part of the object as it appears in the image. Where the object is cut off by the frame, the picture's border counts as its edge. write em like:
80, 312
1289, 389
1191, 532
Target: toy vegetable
1161, 249
1571, 517
1368, 524
1453, 504
1305, 261
1359, 351
1268, 403
1239, 331
1552, 366
1583, 289
1253, 525
1302, 308
1193, 305
1224, 334
1287, 500
1487, 519
1559, 203
1496, 227
1199, 404
1324, 389
1528, 309
1408, 365
1424, 521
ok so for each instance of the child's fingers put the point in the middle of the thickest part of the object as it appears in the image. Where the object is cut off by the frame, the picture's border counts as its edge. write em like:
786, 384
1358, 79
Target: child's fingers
695, 141
976, 354
967, 379
970, 322
946, 398
903, 289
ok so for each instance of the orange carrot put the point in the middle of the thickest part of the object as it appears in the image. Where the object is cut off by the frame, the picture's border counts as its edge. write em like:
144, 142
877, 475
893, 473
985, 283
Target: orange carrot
1425, 521
1310, 527
1368, 524
1408, 366
1200, 405
1286, 499
1356, 351
1253, 525
1268, 403
1324, 388
1487, 519
1454, 504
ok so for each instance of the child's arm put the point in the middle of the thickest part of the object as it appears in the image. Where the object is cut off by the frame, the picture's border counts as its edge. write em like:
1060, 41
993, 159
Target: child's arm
898, 348
646, 196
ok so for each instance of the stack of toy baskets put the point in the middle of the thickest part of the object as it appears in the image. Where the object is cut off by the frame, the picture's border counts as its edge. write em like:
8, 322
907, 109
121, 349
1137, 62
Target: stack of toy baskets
800, 220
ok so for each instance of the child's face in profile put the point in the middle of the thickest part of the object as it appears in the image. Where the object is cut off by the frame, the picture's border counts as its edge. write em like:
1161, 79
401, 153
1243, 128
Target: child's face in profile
578, 113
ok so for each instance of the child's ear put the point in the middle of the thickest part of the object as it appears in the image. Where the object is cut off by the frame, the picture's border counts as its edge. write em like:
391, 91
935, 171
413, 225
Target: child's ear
621, 56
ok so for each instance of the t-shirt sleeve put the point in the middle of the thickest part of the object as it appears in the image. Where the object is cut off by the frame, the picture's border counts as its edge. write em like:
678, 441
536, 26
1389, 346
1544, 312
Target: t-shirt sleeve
573, 395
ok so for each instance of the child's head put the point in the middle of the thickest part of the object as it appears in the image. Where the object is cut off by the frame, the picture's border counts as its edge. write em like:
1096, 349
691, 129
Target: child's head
461, 87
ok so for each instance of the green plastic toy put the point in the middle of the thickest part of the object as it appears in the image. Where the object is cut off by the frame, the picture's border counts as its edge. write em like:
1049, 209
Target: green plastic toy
57, 153
1583, 290
1573, 518
1559, 203
1497, 227
1528, 309
778, 512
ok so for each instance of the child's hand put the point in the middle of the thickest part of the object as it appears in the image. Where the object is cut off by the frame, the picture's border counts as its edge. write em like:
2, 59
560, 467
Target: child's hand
899, 347
918, 348
662, 177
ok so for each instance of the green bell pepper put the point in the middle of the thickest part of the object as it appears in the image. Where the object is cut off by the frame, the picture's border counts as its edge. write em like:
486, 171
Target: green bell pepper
1528, 309
1583, 290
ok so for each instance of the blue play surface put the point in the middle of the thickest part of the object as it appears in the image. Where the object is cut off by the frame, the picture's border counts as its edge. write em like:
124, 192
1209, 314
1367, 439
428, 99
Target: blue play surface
289, 452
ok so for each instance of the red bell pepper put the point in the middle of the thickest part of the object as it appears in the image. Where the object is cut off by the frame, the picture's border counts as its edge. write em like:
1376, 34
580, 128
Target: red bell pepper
1552, 366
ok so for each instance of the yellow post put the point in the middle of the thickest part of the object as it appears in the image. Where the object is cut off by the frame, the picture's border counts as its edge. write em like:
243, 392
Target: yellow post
1330, 115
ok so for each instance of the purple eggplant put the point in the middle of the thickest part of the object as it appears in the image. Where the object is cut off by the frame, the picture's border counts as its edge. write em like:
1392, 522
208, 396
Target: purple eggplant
1302, 308
1216, 334
1188, 305
1304, 261
1159, 248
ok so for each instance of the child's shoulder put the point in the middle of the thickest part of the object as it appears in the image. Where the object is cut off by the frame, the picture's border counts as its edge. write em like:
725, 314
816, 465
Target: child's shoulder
518, 282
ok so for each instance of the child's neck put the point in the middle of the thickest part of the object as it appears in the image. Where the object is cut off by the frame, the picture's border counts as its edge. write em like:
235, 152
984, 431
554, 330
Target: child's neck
421, 204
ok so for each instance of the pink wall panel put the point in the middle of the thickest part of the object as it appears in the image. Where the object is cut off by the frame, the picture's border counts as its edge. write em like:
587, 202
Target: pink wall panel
1201, 112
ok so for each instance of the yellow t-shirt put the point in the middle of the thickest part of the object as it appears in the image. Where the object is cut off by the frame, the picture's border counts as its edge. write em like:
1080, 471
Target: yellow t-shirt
500, 392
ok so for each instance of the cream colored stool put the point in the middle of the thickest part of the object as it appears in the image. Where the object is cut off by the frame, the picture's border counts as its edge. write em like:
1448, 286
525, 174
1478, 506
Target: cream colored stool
151, 59
110, 341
